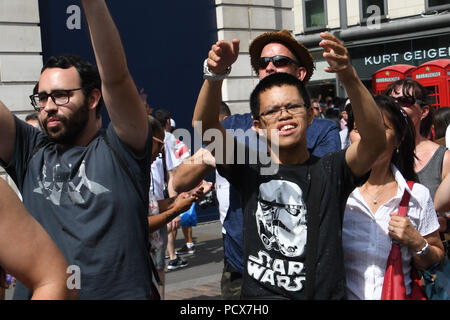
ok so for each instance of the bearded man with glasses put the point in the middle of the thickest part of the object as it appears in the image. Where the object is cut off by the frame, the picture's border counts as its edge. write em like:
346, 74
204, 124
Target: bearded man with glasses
87, 187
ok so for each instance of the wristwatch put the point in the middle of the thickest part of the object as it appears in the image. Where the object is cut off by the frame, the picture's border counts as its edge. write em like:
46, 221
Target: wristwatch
208, 75
424, 250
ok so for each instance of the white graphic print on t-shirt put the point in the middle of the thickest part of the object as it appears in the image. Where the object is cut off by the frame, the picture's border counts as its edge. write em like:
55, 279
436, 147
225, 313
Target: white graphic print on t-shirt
281, 217
276, 272
57, 189
281, 223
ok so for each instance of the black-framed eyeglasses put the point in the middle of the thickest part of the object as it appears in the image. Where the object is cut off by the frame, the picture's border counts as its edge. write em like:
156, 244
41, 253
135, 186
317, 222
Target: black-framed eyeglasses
278, 61
409, 101
59, 98
292, 109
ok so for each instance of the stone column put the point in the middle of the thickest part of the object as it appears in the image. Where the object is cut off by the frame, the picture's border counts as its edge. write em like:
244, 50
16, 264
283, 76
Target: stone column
245, 20
20, 55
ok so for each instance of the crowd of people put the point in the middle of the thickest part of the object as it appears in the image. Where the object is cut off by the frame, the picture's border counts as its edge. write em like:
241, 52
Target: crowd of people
320, 226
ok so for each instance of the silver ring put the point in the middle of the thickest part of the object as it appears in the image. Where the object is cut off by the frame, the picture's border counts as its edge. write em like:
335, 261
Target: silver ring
392, 229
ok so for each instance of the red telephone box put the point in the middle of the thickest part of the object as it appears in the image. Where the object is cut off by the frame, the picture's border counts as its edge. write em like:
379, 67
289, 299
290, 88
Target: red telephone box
435, 76
385, 76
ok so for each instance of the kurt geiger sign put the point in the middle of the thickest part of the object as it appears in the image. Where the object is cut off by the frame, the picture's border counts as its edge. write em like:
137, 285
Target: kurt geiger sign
408, 56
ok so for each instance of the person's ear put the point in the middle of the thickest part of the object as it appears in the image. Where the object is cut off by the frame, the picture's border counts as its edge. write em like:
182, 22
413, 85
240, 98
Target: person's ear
94, 99
258, 126
425, 111
301, 73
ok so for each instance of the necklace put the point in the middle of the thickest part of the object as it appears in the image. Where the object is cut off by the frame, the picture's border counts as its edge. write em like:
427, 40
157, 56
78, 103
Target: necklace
374, 197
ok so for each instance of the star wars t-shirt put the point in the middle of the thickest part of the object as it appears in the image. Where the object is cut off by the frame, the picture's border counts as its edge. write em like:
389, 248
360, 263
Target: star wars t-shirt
89, 206
275, 226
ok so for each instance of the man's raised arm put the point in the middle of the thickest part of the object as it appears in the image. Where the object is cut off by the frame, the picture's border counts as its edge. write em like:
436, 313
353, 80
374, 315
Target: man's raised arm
125, 107
360, 156
206, 114
193, 170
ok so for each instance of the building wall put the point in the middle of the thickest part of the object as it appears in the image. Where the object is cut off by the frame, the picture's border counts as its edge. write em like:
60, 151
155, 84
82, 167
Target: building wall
245, 20
20, 55
405, 8
407, 30
396, 9
353, 17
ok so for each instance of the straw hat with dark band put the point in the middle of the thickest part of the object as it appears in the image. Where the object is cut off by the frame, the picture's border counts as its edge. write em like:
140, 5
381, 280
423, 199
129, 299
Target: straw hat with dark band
284, 37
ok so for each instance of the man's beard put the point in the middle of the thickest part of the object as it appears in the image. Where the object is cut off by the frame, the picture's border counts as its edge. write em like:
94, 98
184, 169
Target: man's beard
69, 129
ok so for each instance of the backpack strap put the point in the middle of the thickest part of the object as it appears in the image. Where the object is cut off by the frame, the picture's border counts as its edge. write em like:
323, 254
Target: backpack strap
314, 193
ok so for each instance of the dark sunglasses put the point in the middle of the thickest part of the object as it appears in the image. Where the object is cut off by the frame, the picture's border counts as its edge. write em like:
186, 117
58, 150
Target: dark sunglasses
409, 101
278, 61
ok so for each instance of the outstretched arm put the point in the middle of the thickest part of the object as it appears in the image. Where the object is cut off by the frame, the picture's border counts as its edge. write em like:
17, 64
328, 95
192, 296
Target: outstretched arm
125, 107
193, 170
28, 252
221, 56
360, 156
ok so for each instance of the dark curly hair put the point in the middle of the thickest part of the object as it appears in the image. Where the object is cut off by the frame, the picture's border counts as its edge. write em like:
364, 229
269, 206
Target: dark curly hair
89, 75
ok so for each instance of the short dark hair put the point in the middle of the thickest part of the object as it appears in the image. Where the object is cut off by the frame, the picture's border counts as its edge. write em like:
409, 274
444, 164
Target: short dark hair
155, 125
32, 116
441, 121
276, 80
224, 109
162, 116
89, 75
419, 92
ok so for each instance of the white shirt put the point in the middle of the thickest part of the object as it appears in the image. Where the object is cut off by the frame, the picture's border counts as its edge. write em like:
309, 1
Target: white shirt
176, 151
157, 178
223, 197
367, 243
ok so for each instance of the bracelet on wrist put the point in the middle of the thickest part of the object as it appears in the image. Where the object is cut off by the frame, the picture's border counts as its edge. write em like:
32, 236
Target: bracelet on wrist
208, 75
424, 250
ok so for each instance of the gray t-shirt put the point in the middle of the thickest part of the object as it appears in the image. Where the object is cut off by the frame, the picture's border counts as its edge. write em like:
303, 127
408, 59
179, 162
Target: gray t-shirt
431, 175
85, 200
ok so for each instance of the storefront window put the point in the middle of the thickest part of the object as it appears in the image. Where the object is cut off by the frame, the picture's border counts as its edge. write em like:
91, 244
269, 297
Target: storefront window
372, 8
437, 4
315, 14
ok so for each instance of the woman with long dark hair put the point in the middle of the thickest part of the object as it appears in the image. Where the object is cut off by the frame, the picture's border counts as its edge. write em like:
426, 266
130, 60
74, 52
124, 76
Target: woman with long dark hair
432, 162
371, 222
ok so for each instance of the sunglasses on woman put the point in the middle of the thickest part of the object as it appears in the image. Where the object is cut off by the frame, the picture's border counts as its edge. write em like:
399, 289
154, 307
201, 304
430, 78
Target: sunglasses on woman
407, 102
278, 61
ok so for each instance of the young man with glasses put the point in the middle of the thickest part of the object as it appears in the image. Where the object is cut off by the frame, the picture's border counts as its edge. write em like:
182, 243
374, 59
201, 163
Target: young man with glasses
271, 52
276, 207
88, 188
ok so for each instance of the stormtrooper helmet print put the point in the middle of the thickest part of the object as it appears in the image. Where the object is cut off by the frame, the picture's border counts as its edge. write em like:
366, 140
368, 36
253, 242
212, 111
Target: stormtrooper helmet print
281, 217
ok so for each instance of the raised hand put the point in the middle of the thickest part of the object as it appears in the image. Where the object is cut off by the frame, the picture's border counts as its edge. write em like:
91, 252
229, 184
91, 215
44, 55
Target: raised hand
222, 55
335, 53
